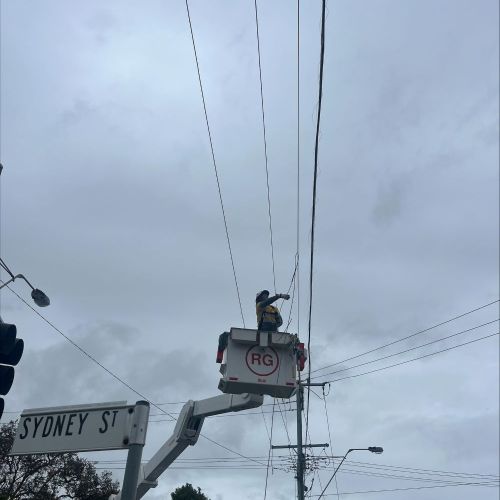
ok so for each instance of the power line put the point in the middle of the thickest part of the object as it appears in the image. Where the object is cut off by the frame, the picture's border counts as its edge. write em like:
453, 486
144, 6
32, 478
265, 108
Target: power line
204, 467
428, 472
284, 459
399, 477
292, 302
215, 164
118, 378
402, 489
226, 415
279, 458
291, 306
265, 424
85, 353
415, 359
330, 436
298, 169
265, 145
269, 461
313, 217
183, 402
285, 425
406, 350
407, 337
376, 468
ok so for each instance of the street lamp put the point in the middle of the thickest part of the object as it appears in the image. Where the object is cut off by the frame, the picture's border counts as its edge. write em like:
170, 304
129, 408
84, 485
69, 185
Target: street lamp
41, 300
373, 449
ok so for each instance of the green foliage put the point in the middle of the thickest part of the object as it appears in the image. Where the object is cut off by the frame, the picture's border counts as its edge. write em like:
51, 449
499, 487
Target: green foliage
49, 477
187, 492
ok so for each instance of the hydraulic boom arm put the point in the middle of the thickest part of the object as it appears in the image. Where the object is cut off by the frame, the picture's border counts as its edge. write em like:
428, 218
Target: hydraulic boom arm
187, 431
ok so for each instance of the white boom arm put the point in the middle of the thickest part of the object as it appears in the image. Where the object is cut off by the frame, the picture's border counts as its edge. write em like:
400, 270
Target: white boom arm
187, 431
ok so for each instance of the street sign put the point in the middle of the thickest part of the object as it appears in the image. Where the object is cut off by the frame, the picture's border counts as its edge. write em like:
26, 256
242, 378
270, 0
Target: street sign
94, 427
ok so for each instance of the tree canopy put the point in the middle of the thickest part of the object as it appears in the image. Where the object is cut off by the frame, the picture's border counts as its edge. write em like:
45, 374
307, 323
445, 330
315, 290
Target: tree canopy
49, 477
187, 492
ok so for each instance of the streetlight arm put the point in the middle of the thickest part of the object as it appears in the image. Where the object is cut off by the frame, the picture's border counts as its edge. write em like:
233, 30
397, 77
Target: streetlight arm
40, 298
15, 278
335, 472
11, 274
372, 449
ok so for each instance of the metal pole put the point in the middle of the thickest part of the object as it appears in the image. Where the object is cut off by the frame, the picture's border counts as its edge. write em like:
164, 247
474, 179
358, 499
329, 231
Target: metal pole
300, 453
136, 444
301, 461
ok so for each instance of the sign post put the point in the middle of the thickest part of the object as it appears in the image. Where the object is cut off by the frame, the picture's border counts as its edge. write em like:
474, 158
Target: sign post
135, 446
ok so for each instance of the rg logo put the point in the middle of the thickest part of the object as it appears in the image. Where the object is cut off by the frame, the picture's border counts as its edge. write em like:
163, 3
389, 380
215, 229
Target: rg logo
262, 361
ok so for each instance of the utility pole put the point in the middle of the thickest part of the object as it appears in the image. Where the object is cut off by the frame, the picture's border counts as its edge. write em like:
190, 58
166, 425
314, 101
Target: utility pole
301, 460
300, 452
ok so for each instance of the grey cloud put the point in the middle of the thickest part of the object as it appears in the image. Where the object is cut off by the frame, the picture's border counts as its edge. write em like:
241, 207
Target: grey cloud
102, 23
80, 110
388, 205
64, 370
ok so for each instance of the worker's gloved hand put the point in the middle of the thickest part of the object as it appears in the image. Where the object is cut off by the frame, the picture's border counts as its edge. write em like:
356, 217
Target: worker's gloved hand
284, 296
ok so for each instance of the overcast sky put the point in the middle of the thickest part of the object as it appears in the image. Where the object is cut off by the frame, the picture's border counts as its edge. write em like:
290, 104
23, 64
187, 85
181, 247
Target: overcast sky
109, 203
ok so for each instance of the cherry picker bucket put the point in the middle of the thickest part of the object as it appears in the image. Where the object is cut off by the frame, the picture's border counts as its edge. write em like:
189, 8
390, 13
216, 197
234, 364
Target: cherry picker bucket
258, 362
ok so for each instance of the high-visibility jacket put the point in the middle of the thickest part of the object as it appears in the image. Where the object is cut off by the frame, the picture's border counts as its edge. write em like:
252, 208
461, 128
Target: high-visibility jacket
268, 318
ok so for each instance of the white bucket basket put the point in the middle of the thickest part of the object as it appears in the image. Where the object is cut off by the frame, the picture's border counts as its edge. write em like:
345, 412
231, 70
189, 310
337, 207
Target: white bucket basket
259, 363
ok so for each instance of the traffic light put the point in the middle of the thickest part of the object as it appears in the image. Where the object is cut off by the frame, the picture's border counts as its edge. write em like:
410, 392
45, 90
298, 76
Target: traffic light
11, 351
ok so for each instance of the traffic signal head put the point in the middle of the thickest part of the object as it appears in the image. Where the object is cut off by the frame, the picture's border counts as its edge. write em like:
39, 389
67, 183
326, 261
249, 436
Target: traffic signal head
11, 351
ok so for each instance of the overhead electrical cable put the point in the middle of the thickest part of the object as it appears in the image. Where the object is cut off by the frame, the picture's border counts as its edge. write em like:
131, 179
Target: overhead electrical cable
215, 165
315, 184
400, 477
265, 146
283, 459
416, 470
407, 337
400, 489
88, 355
330, 435
292, 284
405, 489
235, 414
74, 344
269, 455
265, 423
289, 402
291, 305
225, 415
285, 425
405, 351
206, 467
415, 359
297, 250
397, 474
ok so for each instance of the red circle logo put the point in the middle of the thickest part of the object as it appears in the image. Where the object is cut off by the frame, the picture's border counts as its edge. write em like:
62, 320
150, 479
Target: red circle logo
263, 361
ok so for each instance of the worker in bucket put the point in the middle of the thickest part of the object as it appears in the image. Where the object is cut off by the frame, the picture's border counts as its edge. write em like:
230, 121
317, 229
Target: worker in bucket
268, 316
